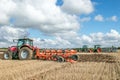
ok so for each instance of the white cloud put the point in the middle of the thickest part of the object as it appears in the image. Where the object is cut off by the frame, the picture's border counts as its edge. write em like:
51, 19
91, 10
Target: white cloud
97, 36
8, 33
72, 39
77, 6
99, 18
42, 15
85, 19
86, 38
3, 18
6, 8
45, 16
58, 42
113, 35
106, 39
66, 40
113, 18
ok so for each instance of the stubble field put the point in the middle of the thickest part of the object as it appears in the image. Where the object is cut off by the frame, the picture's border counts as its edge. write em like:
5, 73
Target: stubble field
104, 66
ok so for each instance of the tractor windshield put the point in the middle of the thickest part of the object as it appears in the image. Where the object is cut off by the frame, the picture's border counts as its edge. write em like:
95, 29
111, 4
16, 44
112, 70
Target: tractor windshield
29, 42
20, 42
96, 46
24, 42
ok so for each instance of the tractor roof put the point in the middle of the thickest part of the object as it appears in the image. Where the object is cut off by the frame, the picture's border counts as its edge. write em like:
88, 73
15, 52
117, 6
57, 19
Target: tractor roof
97, 45
26, 39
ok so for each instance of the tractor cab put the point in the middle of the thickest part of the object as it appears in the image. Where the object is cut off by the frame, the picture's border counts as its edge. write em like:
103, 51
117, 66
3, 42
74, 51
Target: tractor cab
97, 48
85, 48
23, 50
25, 41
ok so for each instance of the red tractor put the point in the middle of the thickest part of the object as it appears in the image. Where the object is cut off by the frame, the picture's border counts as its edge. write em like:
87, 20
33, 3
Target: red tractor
24, 50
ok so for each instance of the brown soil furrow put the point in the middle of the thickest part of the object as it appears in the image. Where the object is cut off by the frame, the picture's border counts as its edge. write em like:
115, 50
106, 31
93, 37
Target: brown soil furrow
96, 58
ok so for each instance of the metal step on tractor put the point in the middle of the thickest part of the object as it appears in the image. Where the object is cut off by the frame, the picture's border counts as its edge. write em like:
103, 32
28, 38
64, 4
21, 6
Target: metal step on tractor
25, 51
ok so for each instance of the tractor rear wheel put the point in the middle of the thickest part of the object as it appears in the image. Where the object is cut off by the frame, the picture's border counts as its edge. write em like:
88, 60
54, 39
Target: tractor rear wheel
74, 57
25, 53
7, 55
60, 59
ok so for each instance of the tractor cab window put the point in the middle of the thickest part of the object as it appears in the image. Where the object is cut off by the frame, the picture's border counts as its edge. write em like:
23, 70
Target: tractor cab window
29, 42
20, 42
25, 42
96, 46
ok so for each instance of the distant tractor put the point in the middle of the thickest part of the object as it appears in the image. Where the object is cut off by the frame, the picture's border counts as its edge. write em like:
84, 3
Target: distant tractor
25, 50
97, 48
86, 49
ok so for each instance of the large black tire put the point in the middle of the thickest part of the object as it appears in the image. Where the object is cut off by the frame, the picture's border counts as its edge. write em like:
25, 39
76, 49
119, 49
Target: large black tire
7, 55
25, 53
60, 59
74, 57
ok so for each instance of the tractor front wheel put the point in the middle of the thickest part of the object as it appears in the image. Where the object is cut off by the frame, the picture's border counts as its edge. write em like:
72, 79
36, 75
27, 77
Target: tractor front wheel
25, 53
7, 55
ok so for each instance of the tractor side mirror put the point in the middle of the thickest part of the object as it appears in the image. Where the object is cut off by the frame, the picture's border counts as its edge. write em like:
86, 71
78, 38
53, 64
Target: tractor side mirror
15, 40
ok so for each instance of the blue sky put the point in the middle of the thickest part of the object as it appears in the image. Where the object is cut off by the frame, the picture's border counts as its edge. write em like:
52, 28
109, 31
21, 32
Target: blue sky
106, 8
61, 23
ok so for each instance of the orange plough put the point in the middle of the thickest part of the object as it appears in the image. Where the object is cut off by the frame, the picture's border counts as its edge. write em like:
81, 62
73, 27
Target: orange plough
57, 55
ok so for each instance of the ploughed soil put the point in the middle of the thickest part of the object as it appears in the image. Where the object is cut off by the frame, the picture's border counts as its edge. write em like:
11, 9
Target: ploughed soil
90, 66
